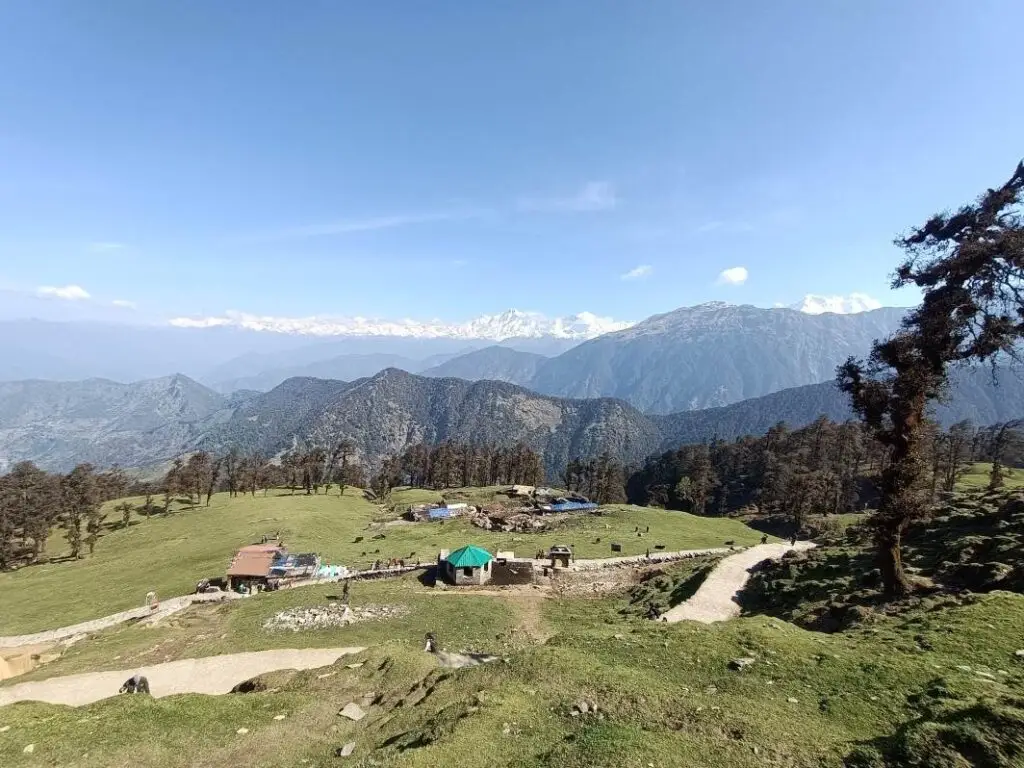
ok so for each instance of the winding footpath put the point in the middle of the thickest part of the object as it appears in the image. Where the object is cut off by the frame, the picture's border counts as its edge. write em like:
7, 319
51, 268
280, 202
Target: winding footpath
212, 675
716, 598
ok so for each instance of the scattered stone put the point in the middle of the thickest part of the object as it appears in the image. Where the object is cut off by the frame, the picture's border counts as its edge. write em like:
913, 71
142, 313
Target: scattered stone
352, 711
710, 690
963, 668
29, 749
326, 675
1019, 654
332, 615
5, 729
985, 674
873, 698
280, 717
619, 636
582, 707
346, 750
741, 663
793, 700
357, 665
242, 731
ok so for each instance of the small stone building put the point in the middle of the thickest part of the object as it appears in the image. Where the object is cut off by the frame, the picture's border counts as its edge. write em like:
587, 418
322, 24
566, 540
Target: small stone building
560, 556
469, 565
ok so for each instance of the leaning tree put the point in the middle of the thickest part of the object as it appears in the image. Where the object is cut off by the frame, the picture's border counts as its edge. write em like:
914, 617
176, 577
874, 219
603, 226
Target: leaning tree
970, 268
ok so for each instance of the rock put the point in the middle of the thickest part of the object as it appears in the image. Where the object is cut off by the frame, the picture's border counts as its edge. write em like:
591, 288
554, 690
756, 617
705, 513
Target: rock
357, 665
242, 731
1019, 654
29, 749
352, 711
5, 729
619, 636
346, 750
963, 668
582, 707
280, 717
741, 663
325, 675
793, 700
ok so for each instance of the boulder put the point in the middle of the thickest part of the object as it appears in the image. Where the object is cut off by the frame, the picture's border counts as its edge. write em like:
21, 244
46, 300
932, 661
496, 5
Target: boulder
352, 711
741, 663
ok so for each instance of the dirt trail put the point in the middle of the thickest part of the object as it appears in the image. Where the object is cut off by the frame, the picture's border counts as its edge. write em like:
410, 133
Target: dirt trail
716, 598
210, 675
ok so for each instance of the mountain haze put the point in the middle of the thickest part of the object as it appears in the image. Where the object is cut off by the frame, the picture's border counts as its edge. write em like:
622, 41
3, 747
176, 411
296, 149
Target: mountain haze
490, 363
60, 424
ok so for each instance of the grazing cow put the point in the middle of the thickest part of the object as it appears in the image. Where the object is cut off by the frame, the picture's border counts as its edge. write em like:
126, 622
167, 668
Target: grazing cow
135, 684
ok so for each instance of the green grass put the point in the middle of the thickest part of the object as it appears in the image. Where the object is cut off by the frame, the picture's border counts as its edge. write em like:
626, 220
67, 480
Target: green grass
666, 693
170, 554
978, 476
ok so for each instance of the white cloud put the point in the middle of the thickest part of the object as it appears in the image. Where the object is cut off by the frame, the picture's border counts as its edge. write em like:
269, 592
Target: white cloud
733, 276
349, 226
814, 304
124, 304
592, 196
106, 247
66, 292
637, 272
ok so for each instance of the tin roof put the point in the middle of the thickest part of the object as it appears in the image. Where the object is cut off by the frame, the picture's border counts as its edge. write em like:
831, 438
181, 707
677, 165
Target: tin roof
251, 562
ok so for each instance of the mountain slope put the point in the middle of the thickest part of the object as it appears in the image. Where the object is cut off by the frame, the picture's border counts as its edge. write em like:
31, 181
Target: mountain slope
394, 409
490, 363
712, 355
973, 396
60, 424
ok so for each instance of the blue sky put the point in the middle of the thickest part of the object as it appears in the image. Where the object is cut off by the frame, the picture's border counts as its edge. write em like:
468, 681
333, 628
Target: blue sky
448, 159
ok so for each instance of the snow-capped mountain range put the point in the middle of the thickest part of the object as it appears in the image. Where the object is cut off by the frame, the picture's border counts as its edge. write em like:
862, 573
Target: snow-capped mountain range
511, 324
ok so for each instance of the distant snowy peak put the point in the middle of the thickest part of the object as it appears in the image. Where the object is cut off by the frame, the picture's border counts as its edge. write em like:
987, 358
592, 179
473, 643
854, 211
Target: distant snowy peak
511, 324
813, 304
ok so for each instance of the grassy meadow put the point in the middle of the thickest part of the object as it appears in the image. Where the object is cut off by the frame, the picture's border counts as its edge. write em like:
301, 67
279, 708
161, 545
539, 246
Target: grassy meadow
665, 693
169, 554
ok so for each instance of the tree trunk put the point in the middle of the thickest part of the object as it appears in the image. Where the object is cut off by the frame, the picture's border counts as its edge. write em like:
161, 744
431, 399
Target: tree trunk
890, 560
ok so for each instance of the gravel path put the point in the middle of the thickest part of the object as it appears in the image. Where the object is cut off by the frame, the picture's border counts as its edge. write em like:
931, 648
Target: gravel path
716, 598
210, 675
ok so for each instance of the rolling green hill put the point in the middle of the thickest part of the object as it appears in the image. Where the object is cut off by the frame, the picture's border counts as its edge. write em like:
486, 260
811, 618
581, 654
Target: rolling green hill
170, 554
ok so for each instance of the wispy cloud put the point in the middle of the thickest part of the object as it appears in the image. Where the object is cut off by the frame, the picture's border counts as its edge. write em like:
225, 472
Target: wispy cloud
65, 292
724, 227
636, 273
106, 247
124, 304
592, 196
733, 276
371, 224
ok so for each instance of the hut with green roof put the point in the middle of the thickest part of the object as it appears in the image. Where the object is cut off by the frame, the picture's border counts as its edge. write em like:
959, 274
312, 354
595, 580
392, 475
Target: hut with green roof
468, 565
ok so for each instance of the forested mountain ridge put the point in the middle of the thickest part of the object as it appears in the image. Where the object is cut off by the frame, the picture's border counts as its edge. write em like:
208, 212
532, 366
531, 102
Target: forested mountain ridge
61, 424
388, 412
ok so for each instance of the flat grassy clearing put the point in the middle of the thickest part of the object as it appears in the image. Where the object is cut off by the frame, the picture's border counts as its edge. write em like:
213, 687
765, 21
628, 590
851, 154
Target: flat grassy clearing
978, 476
665, 692
170, 554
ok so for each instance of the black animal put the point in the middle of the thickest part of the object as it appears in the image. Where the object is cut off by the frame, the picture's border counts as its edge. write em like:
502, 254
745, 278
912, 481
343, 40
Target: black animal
135, 684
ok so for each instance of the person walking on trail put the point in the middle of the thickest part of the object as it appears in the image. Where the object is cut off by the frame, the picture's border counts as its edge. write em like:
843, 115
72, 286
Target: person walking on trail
764, 539
792, 540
